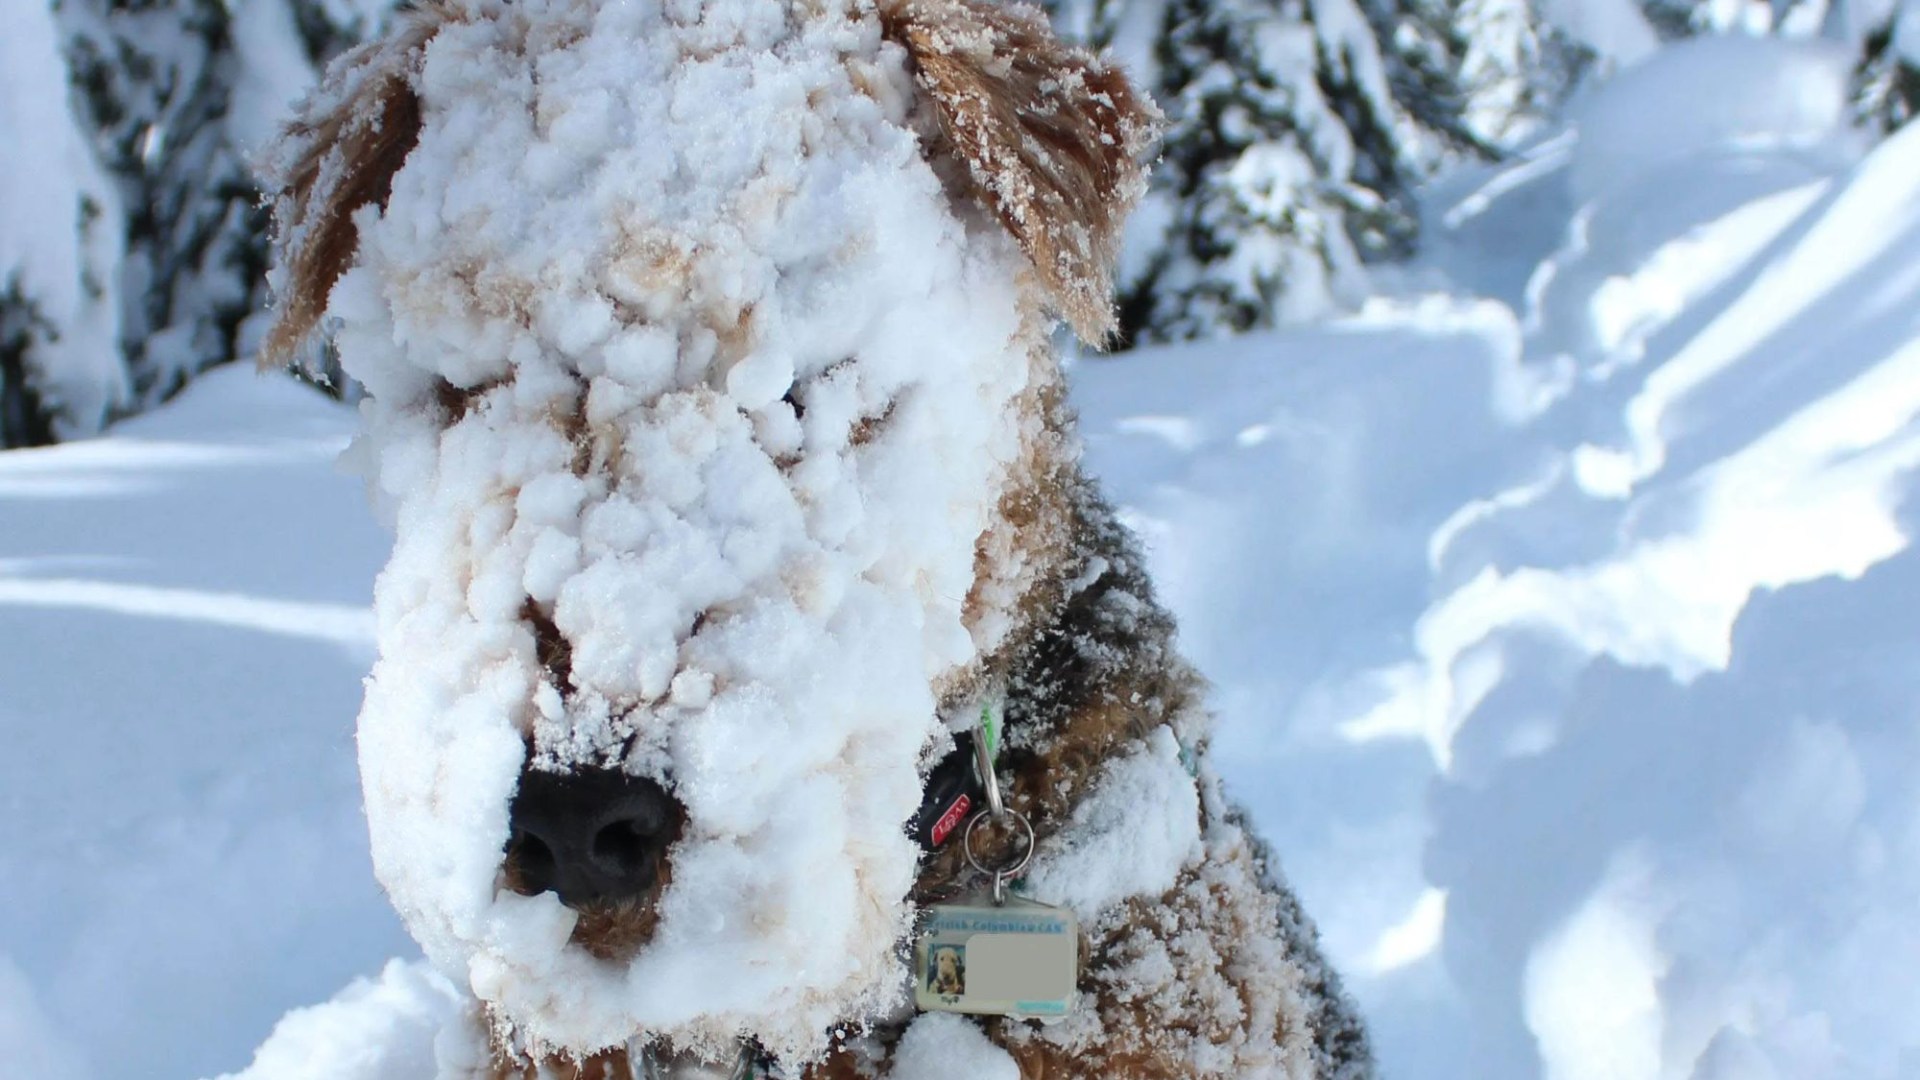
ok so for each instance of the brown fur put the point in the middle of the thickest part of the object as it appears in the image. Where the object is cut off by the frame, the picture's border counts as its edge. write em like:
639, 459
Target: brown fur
1054, 139
343, 160
1094, 674
839, 1066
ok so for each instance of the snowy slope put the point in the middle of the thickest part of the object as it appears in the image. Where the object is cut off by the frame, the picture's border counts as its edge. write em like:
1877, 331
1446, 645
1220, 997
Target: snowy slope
1563, 638
184, 613
1572, 673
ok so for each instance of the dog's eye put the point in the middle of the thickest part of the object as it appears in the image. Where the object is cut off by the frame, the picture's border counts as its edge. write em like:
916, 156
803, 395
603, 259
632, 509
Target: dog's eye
868, 428
782, 433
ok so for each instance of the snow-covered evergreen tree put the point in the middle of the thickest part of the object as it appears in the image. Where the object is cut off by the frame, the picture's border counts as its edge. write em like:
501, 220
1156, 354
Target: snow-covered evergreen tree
330, 27
1885, 34
1421, 46
156, 82
1684, 18
135, 119
1126, 30
1298, 132
1888, 77
1515, 67
1674, 18
1288, 160
59, 249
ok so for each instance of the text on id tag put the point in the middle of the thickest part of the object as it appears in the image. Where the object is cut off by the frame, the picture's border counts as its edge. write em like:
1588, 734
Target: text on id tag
1020, 958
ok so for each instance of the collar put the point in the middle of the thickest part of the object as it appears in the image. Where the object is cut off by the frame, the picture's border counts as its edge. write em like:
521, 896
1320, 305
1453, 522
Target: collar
953, 791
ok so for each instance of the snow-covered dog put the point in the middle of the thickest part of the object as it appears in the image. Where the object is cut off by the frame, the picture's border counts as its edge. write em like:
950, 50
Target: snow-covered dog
707, 345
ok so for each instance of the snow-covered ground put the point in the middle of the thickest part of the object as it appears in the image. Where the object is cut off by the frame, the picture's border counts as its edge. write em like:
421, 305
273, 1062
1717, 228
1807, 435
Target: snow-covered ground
1561, 608
184, 609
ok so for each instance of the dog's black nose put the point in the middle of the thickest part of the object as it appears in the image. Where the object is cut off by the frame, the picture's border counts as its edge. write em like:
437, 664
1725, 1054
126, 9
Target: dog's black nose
591, 835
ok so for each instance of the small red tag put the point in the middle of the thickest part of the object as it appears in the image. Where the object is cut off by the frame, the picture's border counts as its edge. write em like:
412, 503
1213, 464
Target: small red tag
954, 816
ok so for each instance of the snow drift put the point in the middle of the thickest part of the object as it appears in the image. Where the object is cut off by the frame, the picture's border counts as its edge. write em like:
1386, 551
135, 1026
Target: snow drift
1567, 641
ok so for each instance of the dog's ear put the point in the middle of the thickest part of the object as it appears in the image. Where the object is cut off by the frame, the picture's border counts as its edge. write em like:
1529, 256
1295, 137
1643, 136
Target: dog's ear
1055, 141
339, 153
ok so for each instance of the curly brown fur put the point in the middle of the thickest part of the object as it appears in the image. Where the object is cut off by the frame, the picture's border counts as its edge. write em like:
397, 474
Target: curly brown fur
1054, 139
1091, 678
343, 160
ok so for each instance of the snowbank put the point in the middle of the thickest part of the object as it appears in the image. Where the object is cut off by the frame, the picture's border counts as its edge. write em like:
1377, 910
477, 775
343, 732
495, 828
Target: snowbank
1710, 95
375, 1029
1572, 671
1683, 722
183, 857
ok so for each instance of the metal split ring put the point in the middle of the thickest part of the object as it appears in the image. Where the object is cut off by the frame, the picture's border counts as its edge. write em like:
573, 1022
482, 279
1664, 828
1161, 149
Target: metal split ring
1006, 873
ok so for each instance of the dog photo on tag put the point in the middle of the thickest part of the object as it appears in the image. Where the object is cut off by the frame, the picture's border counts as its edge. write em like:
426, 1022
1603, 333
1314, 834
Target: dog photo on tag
1019, 959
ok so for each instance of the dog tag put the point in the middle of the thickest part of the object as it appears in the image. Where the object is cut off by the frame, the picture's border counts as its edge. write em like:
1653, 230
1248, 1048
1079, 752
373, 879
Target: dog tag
1020, 958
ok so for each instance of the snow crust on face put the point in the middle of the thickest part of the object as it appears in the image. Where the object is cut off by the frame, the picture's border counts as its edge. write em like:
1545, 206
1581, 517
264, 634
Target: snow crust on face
640, 235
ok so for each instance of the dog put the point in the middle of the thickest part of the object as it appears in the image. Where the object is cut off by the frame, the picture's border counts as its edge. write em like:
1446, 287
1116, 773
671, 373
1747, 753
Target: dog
947, 976
710, 387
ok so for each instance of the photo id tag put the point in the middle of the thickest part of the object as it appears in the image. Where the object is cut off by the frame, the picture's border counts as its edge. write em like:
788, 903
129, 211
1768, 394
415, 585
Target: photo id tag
1021, 959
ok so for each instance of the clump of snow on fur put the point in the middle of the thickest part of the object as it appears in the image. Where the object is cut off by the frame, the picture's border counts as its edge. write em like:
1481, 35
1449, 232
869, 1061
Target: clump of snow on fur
939, 1046
686, 274
1228, 997
1129, 837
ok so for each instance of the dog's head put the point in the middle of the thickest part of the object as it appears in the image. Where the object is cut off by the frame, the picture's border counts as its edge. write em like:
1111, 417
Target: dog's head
706, 350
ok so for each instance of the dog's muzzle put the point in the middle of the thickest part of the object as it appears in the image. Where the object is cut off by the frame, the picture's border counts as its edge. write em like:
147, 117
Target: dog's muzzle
590, 835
